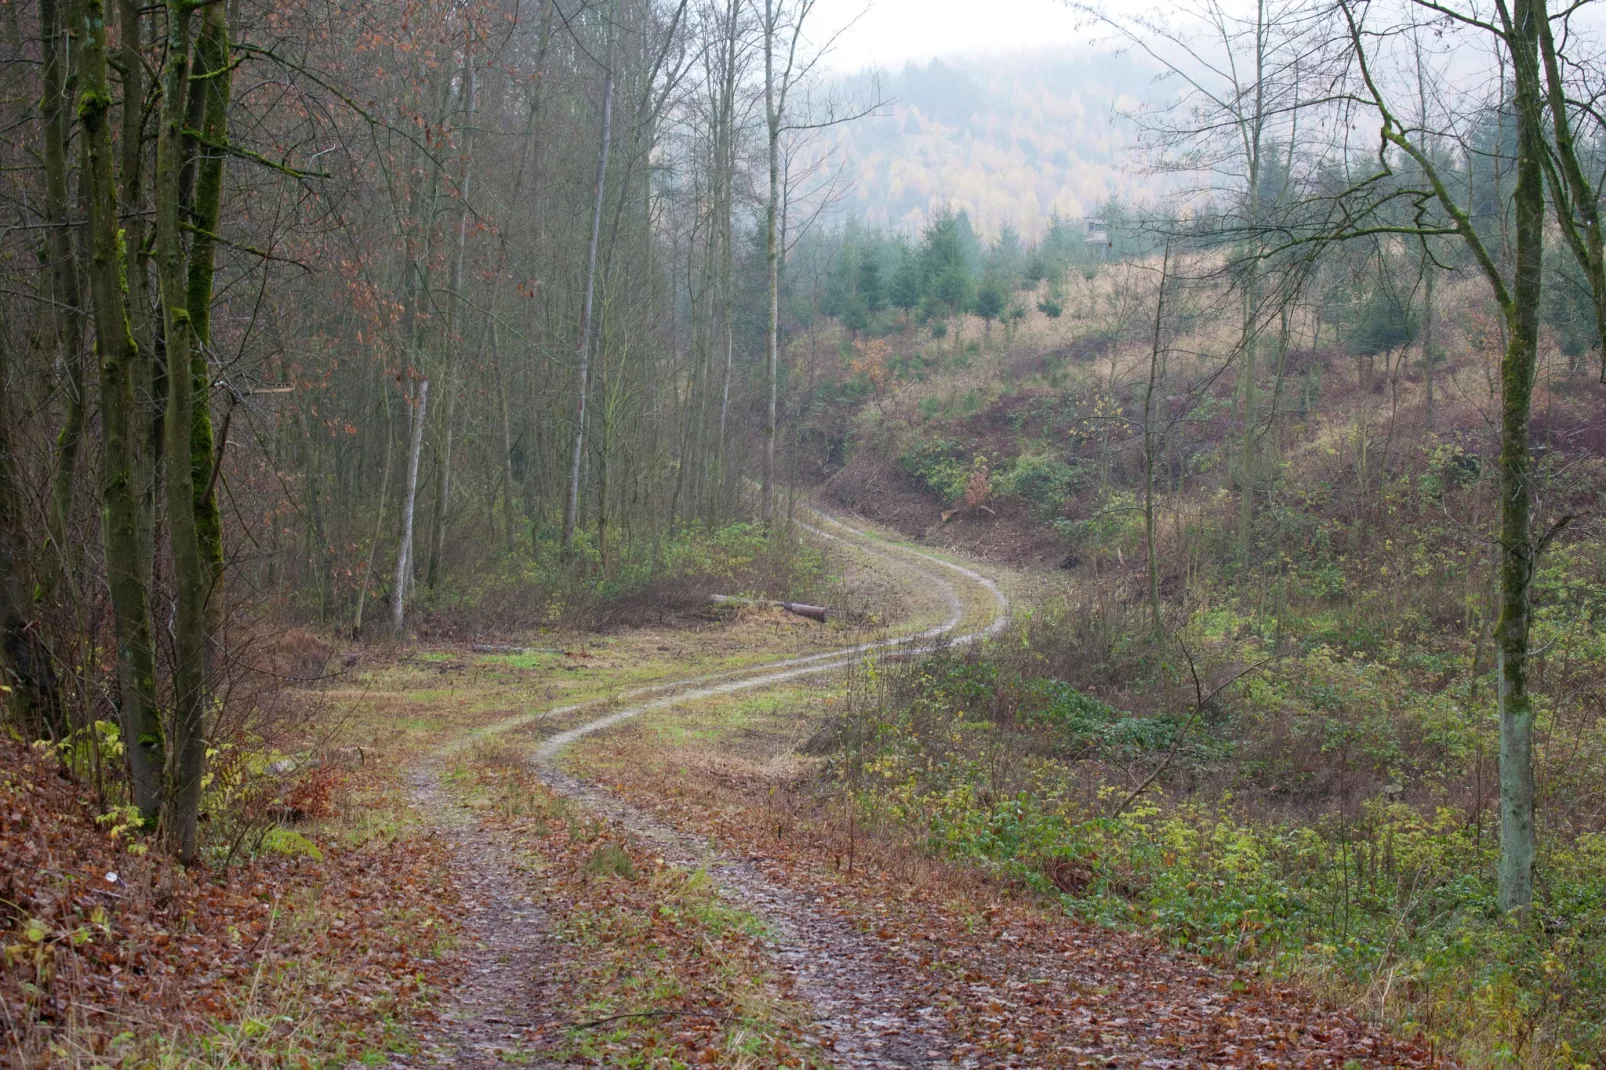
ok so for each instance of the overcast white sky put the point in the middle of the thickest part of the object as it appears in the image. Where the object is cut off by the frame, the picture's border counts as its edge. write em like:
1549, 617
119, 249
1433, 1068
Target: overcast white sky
895, 32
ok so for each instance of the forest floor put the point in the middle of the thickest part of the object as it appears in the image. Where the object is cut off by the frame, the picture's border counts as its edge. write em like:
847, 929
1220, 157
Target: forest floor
650, 875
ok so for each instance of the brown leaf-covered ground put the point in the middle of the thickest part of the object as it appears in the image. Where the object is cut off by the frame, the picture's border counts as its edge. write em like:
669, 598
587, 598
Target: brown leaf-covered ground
696, 903
1017, 982
675, 891
114, 957
621, 956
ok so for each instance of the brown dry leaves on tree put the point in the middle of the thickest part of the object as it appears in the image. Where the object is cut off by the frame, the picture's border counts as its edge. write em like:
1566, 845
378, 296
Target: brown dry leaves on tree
871, 360
109, 953
979, 486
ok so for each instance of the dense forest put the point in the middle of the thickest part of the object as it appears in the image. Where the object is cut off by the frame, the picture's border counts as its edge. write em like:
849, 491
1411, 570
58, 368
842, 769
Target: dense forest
430, 354
462, 455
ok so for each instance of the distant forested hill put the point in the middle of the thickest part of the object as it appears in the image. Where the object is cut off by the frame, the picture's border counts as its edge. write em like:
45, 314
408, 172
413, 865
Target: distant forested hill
1009, 139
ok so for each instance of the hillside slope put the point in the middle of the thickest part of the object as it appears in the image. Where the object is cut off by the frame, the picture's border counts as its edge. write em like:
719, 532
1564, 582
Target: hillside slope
1010, 139
1258, 716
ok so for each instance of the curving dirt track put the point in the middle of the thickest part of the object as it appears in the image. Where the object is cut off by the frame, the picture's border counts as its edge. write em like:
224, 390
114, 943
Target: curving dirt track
1126, 1002
863, 1017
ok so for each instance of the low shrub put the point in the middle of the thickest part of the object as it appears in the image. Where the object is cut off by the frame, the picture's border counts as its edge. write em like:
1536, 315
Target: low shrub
1047, 483
940, 466
1250, 850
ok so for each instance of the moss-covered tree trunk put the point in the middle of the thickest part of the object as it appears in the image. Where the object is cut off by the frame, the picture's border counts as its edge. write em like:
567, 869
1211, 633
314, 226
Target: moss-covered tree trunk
210, 88
186, 757
1517, 544
122, 431
150, 385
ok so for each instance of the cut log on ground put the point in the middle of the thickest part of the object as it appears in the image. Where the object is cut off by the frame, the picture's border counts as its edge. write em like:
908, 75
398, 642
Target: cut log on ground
819, 613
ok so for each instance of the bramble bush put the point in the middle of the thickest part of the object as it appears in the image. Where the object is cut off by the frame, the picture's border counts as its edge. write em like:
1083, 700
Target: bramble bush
1045, 482
940, 465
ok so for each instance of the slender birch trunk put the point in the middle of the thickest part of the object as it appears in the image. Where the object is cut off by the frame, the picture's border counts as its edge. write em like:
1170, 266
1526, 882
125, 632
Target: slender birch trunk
404, 551
571, 502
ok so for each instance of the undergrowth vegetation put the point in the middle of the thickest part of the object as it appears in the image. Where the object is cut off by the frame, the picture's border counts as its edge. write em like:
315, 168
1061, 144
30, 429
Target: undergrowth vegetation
1270, 734
668, 574
1378, 885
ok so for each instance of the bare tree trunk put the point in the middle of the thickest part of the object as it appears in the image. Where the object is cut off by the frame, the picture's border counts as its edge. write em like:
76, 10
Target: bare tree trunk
571, 503
443, 491
443, 478
13, 618
1427, 337
1247, 467
404, 551
725, 390
64, 289
1150, 446
15, 655
1251, 128
379, 524
508, 499
602, 484
773, 102
1581, 225
725, 179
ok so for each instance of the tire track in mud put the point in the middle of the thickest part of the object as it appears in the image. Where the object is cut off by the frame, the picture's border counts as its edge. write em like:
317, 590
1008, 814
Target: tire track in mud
863, 1016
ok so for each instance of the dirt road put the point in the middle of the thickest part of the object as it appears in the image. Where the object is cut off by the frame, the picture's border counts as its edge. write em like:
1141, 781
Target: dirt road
856, 973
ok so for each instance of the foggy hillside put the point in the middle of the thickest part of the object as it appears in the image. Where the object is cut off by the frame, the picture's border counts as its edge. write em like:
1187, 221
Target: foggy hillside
1008, 138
